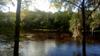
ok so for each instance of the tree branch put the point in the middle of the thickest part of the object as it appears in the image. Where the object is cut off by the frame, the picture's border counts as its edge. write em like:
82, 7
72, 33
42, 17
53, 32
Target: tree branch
74, 4
93, 10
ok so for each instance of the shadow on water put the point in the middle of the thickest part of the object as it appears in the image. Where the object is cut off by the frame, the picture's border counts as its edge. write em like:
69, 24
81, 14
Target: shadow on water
54, 45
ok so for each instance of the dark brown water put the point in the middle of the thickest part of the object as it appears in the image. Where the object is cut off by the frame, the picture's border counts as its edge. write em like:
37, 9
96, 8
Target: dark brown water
52, 47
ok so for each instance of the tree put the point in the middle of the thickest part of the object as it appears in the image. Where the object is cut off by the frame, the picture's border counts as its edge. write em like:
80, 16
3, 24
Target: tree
17, 29
65, 4
84, 28
83, 6
6, 26
61, 21
75, 25
77, 4
26, 4
94, 22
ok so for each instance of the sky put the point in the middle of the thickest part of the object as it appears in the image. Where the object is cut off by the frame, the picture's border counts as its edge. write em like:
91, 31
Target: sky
43, 5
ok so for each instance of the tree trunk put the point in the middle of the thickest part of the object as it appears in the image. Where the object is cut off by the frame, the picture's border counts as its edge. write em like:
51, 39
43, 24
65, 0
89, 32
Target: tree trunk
84, 29
17, 29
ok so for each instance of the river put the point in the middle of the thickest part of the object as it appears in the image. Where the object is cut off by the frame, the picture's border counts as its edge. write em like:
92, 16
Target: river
50, 48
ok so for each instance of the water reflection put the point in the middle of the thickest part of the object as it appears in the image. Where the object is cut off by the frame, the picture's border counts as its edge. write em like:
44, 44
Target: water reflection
66, 49
32, 49
6, 49
50, 48
36, 48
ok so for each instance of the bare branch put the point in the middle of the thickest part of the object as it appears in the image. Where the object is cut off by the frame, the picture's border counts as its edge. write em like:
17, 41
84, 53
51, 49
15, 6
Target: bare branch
74, 4
93, 10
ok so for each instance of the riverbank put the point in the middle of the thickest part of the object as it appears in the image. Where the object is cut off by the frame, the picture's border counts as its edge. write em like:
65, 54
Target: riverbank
60, 37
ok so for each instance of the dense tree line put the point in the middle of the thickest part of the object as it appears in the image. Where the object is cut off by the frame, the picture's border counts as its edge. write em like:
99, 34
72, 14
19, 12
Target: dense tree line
65, 20
43, 20
60, 21
7, 24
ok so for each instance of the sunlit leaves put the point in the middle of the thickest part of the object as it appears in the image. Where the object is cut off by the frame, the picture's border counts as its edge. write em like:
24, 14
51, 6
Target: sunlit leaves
95, 23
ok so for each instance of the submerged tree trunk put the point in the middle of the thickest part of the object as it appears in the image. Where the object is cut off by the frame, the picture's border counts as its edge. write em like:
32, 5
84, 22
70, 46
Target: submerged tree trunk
17, 29
84, 28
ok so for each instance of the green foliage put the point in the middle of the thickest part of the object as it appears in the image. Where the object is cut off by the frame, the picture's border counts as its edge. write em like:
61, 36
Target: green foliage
43, 20
35, 20
75, 22
76, 25
95, 21
6, 25
66, 20
60, 21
